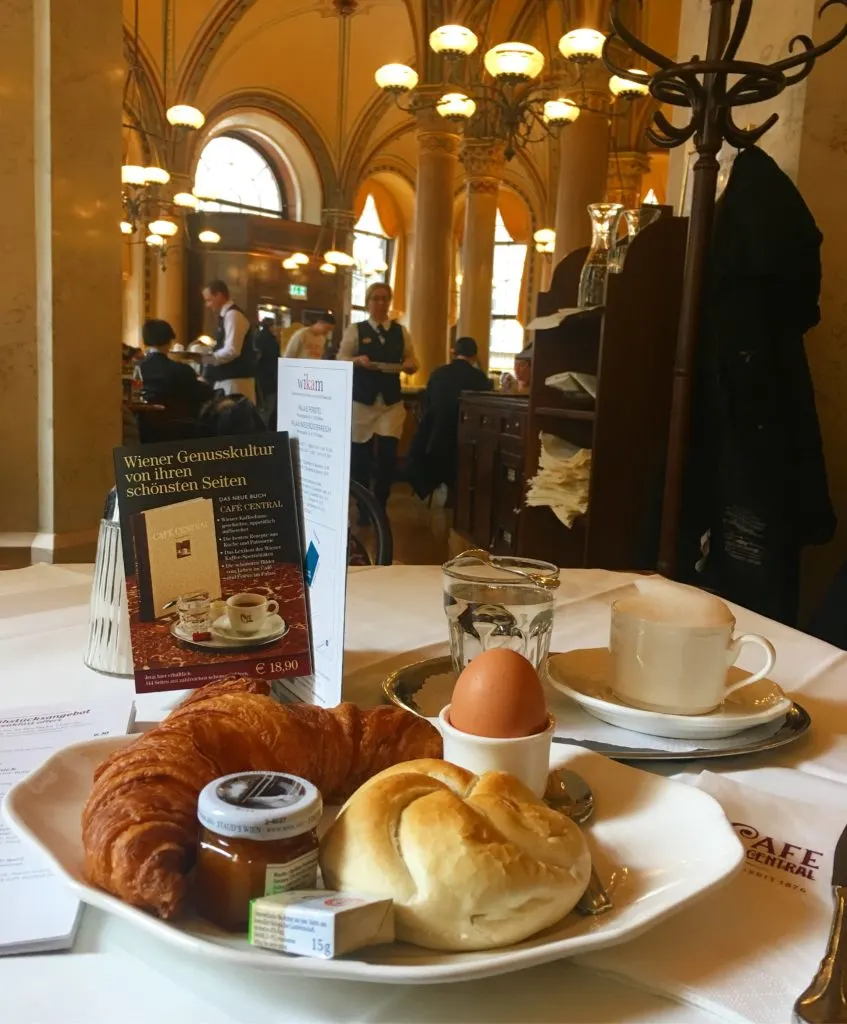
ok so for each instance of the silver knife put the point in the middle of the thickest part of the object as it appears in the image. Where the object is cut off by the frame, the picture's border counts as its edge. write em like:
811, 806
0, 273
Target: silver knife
825, 1000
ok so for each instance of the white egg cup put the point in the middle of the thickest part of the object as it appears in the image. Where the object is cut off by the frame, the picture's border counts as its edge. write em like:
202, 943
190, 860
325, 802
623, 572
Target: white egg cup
525, 757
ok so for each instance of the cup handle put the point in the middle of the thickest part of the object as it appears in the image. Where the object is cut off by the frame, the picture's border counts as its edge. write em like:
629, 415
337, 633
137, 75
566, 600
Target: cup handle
735, 649
273, 608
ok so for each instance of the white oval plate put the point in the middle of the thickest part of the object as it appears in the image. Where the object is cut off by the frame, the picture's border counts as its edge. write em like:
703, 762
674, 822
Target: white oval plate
583, 675
658, 844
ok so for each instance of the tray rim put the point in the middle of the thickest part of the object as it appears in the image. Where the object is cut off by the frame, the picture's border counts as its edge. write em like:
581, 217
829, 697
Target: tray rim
799, 718
448, 968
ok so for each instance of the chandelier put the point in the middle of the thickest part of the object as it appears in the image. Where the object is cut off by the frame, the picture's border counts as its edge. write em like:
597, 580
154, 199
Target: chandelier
152, 210
505, 92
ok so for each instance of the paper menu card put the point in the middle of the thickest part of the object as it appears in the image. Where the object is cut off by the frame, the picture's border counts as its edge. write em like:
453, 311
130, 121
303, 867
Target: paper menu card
315, 402
37, 912
213, 561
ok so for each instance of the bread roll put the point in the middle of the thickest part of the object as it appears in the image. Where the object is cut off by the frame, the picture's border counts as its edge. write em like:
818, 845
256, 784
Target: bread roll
470, 862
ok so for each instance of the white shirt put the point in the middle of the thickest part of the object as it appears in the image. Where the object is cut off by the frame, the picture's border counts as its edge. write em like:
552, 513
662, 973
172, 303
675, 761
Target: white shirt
306, 344
379, 418
349, 347
236, 326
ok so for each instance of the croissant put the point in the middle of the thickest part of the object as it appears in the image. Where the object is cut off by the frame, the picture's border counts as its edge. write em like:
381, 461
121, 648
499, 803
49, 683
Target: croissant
139, 825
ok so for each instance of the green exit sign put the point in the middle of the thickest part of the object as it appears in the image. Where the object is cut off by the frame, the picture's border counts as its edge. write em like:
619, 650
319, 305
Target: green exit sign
298, 291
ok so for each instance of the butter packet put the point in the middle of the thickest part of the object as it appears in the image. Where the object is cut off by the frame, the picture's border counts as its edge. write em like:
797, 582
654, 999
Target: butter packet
320, 922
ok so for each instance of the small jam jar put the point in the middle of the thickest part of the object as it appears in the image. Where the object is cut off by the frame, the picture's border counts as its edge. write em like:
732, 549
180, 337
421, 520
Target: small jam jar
258, 838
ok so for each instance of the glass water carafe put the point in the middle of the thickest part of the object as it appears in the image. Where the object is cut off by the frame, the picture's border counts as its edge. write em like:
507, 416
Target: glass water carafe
595, 272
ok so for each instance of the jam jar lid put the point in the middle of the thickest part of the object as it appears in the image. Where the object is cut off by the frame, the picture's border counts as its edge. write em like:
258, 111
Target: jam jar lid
259, 805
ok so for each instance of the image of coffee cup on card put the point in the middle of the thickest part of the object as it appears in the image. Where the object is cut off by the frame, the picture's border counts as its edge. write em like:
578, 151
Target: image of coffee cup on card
248, 613
672, 648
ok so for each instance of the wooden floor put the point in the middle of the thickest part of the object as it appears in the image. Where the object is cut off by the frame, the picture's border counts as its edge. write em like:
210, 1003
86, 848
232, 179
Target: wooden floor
421, 534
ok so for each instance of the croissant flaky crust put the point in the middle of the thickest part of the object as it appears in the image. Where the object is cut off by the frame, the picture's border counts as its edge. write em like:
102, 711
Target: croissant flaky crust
139, 825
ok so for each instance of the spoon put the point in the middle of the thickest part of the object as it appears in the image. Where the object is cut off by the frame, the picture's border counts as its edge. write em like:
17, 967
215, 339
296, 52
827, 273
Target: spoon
570, 793
538, 578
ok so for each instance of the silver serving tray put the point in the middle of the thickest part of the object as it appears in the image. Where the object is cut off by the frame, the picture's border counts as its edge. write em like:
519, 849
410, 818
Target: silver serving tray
403, 686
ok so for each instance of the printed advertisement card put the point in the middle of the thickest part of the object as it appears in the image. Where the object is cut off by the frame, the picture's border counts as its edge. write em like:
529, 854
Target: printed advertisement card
214, 565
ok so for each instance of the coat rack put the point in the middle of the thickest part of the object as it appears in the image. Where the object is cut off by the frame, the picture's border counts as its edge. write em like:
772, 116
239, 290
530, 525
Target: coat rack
703, 86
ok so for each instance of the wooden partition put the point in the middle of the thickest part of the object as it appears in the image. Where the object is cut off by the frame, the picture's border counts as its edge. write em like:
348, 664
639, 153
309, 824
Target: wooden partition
630, 345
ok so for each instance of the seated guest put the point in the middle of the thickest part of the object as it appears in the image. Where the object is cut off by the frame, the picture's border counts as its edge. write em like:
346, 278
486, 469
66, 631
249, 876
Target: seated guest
523, 373
311, 342
432, 459
266, 346
163, 379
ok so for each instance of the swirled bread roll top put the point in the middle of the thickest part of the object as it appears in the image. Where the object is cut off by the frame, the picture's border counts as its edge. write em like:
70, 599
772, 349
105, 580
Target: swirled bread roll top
470, 862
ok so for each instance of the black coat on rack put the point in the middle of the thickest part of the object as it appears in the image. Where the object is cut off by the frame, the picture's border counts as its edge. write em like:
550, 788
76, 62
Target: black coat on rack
755, 478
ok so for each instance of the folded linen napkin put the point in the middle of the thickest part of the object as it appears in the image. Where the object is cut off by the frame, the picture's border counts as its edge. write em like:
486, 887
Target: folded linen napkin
748, 950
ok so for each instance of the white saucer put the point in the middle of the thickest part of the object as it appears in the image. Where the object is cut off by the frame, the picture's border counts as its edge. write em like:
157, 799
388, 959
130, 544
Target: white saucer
583, 676
273, 629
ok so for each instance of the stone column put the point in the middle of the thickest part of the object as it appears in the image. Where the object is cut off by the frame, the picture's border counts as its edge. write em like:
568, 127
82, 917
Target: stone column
626, 172
60, 260
483, 160
171, 287
429, 294
583, 170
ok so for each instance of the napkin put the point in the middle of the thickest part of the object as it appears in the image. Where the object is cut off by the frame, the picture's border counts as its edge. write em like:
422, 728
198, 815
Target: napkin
748, 949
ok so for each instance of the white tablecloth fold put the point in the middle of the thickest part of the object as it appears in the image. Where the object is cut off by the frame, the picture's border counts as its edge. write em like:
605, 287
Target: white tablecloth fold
747, 951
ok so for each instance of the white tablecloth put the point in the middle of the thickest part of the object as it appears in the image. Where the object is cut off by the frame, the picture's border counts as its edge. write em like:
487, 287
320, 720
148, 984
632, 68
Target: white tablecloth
393, 617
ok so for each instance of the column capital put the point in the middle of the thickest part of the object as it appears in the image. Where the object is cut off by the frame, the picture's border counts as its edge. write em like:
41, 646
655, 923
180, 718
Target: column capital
483, 159
435, 133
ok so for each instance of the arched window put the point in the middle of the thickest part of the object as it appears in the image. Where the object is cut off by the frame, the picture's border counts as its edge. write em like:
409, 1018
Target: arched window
236, 176
507, 334
372, 250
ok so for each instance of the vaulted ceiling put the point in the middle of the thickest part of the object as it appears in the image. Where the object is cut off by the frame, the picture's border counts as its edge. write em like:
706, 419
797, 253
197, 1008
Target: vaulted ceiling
285, 56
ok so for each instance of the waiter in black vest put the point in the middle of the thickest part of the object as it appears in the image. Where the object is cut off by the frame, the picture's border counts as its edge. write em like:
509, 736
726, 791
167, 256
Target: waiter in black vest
231, 368
380, 349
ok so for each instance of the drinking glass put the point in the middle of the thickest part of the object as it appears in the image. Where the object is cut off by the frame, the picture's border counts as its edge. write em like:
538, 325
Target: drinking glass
488, 607
195, 611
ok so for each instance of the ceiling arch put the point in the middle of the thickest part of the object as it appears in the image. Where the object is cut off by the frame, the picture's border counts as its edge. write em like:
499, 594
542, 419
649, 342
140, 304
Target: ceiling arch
289, 113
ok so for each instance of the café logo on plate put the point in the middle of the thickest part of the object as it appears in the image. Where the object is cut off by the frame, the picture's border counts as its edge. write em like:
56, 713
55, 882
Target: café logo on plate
792, 858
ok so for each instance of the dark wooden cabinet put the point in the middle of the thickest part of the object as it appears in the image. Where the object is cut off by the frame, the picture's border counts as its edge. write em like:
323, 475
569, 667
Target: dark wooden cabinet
629, 345
490, 483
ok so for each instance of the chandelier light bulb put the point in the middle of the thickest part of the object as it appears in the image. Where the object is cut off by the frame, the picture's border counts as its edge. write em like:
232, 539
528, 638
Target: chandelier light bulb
545, 247
155, 241
187, 200
182, 115
453, 41
165, 228
518, 62
327, 268
156, 176
133, 174
380, 267
299, 259
582, 45
455, 106
560, 112
126, 228
544, 236
289, 264
338, 258
209, 237
630, 88
396, 78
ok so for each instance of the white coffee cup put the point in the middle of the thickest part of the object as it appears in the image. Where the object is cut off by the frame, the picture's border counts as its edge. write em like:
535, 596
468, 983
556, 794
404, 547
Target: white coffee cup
671, 652
525, 757
247, 612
